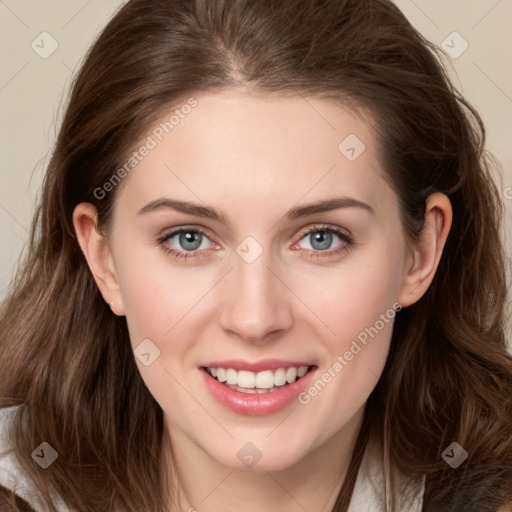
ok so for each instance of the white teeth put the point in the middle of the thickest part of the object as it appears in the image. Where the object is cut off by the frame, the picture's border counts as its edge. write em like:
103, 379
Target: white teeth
252, 391
280, 377
231, 376
302, 371
291, 375
246, 379
221, 374
264, 380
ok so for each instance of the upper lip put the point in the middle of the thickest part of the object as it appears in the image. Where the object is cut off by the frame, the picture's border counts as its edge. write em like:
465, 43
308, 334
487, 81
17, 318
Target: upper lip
256, 366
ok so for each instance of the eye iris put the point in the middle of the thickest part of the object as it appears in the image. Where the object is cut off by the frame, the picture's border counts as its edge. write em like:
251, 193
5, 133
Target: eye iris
190, 240
320, 240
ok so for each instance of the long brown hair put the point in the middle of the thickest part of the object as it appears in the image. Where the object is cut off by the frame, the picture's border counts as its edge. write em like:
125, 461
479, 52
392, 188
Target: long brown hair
448, 376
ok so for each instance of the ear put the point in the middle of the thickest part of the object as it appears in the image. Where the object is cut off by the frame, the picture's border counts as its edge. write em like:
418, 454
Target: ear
426, 251
97, 252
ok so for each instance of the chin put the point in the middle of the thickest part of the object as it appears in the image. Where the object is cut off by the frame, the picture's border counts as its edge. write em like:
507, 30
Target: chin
258, 456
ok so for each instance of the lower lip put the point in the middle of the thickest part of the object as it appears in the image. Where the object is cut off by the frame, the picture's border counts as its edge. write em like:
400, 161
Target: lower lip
256, 404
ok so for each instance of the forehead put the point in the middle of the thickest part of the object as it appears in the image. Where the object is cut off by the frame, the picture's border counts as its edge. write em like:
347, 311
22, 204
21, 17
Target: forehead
252, 149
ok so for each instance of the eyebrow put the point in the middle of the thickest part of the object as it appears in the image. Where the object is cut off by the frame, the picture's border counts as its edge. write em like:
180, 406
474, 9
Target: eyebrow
295, 213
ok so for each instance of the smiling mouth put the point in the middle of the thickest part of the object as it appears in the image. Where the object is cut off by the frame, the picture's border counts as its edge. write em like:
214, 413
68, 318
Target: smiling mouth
266, 381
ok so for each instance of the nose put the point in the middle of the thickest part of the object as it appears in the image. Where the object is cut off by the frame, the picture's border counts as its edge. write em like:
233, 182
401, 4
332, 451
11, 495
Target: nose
257, 305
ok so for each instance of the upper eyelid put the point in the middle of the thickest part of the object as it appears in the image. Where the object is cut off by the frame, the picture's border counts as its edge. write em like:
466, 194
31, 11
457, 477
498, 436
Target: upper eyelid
172, 232
325, 227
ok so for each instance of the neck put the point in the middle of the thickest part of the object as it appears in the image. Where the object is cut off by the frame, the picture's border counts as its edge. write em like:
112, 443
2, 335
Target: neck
311, 484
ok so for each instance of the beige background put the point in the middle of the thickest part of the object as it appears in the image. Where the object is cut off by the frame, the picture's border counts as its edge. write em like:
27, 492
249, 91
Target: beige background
32, 88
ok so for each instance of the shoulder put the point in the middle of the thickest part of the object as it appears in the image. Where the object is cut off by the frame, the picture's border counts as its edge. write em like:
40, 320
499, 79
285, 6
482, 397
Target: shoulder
12, 475
9, 467
373, 485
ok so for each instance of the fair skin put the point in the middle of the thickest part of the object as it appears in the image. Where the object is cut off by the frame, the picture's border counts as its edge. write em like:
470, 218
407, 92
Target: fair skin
253, 158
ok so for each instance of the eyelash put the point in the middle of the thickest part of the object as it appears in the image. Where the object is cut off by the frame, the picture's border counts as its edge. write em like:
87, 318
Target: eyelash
183, 255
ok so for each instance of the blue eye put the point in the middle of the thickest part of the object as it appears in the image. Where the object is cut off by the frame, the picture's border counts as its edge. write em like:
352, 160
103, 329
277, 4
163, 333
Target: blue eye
319, 241
189, 240
184, 242
324, 241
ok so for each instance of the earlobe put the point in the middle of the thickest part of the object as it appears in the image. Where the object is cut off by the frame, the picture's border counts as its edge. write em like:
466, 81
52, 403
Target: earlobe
426, 251
98, 255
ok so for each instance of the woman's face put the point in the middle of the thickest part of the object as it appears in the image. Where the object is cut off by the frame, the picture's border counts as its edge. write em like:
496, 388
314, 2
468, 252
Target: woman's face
291, 258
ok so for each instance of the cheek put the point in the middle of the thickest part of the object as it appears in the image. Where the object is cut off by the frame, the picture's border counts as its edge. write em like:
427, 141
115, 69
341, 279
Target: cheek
358, 295
357, 304
157, 296
361, 318
357, 301
160, 306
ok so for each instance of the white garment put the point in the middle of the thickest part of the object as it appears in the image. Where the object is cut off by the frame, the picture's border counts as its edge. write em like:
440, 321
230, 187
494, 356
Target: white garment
12, 474
372, 490
369, 492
